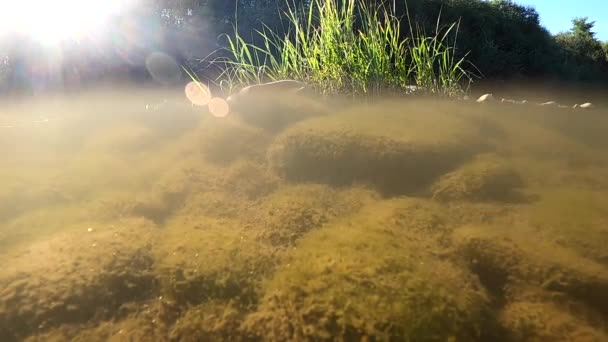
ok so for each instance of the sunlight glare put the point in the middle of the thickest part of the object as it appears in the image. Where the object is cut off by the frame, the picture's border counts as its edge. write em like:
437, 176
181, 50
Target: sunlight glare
53, 21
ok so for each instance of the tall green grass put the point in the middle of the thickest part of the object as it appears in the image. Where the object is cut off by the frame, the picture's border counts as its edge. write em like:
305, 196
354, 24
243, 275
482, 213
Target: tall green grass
348, 47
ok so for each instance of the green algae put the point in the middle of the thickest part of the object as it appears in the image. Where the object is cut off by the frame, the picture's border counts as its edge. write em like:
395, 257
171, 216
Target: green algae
544, 321
223, 141
211, 259
512, 262
240, 229
487, 177
76, 276
574, 218
396, 153
370, 277
274, 112
292, 211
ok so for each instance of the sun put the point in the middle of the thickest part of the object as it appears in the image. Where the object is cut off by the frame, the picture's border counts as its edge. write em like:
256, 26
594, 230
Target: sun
53, 21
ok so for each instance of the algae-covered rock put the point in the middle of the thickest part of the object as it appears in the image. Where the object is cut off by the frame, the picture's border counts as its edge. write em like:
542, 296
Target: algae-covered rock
223, 141
153, 205
509, 261
543, 321
213, 321
486, 213
575, 218
196, 190
394, 149
371, 276
141, 321
28, 187
273, 111
35, 225
248, 179
161, 200
289, 213
207, 259
484, 178
75, 276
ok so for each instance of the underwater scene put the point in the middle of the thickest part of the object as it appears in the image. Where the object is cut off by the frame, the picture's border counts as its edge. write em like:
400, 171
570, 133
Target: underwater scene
132, 215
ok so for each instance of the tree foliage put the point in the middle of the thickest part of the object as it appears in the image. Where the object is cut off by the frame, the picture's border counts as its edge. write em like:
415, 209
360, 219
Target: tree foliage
580, 41
584, 55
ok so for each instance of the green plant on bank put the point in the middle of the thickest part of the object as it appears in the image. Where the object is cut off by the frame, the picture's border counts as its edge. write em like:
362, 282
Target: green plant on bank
327, 47
434, 64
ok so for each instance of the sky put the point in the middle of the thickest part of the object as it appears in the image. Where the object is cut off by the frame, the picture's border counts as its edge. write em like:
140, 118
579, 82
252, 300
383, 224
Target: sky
556, 15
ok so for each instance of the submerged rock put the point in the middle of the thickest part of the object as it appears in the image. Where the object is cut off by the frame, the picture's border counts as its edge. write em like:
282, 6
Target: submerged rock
146, 321
575, 218
394, 149
487, 177
285, 216
205, 259
269, 88
372, 276
545, 321
511, 263
248, 180
276, 105
213, 321
226, 140
76, 276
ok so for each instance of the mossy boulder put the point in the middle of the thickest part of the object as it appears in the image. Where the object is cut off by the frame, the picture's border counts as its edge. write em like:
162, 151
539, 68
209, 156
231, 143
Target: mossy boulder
371, 276
26, 190
147, 320
277, 110
193, 188
480, 213
248, 179
206, 259
226, 192
213, 321
575, 218
289, 213
511, 261
486, 177
545, 321
225, 140
76, 276
165, 197
396, 150
39, 224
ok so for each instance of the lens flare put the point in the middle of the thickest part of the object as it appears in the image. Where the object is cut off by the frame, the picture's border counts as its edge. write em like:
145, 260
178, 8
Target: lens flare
219, 107
53, 21
198, 93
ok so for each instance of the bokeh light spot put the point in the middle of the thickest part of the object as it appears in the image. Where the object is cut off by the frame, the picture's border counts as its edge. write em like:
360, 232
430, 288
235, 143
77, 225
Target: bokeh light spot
198, 93
219, 107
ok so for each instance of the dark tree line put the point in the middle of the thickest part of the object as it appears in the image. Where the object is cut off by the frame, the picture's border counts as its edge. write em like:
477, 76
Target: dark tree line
504, 40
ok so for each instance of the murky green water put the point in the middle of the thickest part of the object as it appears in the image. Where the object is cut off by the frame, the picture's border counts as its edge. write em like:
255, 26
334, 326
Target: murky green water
133, 216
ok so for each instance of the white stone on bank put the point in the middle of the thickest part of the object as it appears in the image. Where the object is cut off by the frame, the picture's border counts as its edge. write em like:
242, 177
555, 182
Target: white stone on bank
485, 98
